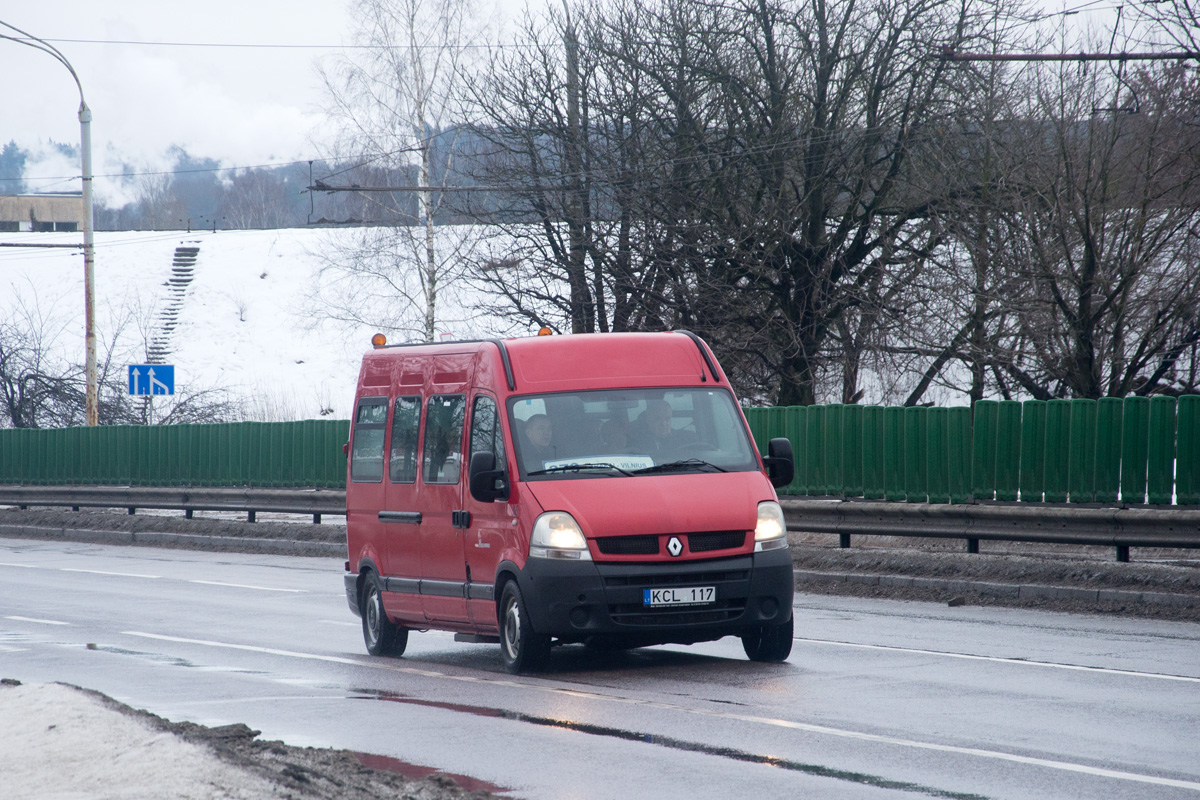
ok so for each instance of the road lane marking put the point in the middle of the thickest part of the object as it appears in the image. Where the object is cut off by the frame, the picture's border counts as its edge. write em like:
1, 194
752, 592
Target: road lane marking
1001, 660
38, 621
158, 577
248, 586
340, 622
102, 572
248, 647
824, 730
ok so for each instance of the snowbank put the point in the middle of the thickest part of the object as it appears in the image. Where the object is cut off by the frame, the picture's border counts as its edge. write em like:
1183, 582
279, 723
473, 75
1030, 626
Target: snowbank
59, 742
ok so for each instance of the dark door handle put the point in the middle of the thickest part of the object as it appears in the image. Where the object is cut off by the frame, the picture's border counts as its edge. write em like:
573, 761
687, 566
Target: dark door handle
406, 517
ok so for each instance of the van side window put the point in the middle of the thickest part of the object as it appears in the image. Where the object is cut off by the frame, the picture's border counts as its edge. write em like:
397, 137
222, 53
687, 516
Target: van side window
486, 436
443, 438
366, 460
406, 422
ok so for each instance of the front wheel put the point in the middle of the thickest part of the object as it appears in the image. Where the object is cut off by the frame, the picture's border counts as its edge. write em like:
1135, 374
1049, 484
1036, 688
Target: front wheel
770, 643
524, 649
382, 637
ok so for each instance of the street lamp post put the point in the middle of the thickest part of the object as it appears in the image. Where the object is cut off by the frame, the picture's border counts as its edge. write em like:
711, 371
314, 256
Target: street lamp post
89, 250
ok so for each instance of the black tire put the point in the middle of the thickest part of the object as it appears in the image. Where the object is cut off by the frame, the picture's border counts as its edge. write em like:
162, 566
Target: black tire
770, 643
523, 649
382, 637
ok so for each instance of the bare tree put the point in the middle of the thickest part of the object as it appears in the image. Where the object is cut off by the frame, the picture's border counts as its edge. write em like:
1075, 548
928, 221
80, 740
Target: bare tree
37, 388
1175, 22
368, 278
255, 198
393, 101
743, 169
1105, 236
159, 205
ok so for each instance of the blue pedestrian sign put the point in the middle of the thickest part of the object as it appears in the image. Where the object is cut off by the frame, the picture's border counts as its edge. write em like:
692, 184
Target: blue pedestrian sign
151, 379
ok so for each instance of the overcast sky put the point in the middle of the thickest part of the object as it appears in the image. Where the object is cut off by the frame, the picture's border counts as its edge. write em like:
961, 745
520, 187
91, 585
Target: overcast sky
242, 106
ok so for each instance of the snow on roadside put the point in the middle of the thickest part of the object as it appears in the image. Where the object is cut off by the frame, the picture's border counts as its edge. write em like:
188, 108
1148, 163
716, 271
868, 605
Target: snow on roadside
58, 742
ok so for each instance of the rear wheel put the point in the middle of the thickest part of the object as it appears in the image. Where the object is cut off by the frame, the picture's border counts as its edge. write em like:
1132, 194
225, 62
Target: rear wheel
523, 649
382, 637
771, 643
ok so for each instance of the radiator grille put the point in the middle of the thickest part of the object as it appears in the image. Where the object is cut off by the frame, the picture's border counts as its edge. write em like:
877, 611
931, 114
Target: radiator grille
628, 545
715, 540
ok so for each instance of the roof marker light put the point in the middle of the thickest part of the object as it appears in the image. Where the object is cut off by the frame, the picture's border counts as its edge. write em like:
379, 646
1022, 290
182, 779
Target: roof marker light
544, 331
378, 340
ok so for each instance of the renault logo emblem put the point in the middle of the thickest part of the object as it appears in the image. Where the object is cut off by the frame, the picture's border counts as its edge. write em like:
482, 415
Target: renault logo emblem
674, 546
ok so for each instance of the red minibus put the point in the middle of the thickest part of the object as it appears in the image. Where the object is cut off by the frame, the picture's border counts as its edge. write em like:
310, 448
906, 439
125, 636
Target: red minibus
601, 489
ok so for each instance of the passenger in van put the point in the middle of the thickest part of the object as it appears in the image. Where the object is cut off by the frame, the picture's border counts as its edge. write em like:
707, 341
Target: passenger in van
614, 434
655, 434
538, 446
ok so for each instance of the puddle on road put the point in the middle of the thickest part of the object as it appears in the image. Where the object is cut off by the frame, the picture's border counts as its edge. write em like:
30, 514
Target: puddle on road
666, 741
416, 771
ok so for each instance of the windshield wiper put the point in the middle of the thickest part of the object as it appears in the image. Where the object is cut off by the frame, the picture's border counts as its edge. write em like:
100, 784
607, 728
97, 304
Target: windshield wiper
579, 467
673, 466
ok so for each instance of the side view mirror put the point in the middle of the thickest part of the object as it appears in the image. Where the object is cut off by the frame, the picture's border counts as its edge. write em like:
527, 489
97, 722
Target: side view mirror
487, 483
780, 463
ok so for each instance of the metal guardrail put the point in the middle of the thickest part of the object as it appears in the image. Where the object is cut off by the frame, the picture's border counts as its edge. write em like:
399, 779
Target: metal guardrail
317, 502
1121, 528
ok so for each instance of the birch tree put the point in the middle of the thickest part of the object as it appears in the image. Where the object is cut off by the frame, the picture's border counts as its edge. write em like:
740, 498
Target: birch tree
393, 101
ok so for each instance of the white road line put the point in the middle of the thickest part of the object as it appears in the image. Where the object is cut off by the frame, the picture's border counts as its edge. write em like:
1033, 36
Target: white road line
102, 572
38, 621
251, 648
1064, 766
1001, 660
340, 622
248, 586
157, 577
4, 648
22, 566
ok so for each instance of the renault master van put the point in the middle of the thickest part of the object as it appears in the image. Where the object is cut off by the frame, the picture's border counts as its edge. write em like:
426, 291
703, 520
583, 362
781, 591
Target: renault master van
601, 489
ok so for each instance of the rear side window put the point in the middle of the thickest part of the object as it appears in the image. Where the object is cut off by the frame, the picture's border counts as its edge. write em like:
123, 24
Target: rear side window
406, 423
485, 429
366, 459
443, 438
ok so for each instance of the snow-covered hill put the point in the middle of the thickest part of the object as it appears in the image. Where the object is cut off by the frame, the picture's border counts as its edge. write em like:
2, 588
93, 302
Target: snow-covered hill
244, 322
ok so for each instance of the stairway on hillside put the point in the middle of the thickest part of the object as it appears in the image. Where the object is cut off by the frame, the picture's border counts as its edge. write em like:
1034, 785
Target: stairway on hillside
183, 269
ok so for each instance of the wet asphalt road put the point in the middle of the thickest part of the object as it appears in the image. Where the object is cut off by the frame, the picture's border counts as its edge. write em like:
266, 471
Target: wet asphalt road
879, 699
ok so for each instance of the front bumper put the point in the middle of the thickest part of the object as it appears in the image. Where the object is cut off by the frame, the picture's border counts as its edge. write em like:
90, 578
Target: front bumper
575, 600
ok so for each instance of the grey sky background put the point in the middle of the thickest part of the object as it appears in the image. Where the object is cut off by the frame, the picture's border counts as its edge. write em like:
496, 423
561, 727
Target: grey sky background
239, 106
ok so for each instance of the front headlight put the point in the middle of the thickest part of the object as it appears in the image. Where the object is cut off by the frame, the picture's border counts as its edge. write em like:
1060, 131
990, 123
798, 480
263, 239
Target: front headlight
771, 531
556, 534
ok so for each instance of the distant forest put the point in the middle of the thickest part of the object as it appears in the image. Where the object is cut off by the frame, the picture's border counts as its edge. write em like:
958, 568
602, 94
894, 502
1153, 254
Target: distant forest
200, 193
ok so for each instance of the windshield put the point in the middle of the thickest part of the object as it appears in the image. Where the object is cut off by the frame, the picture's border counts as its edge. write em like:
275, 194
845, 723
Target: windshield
628, 433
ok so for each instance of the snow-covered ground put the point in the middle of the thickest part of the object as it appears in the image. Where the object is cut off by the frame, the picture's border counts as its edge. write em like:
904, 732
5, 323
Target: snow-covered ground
249, 323
59, 742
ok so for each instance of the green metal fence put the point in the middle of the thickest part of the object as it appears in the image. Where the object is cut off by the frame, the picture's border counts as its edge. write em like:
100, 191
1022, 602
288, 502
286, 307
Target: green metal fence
307, 453
1130, 450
